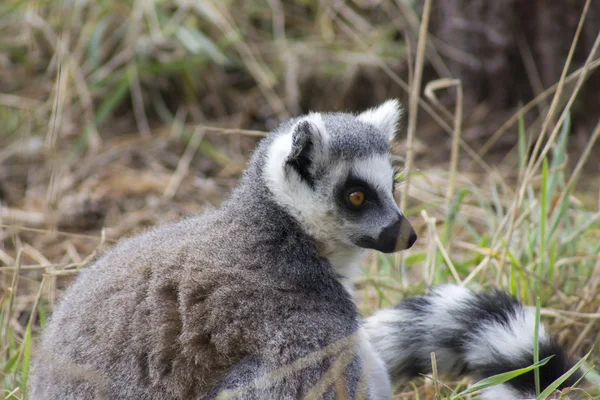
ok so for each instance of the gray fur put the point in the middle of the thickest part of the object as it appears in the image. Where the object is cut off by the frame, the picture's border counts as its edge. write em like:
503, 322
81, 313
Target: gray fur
241, 298
348, 142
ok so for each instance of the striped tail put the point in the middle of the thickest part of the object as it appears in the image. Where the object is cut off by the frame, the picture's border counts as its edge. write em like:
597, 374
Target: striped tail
471, 334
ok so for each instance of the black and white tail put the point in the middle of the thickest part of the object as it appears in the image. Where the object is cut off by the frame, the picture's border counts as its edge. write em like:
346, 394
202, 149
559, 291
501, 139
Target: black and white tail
471, 334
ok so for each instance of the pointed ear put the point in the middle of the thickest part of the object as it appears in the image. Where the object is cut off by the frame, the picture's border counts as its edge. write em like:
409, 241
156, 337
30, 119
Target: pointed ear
385, 117
308, 146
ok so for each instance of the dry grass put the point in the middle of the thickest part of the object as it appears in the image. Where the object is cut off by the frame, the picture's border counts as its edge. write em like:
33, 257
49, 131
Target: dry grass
120, 115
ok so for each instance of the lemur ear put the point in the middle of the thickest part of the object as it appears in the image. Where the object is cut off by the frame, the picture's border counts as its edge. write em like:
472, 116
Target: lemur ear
385, 117
308, 146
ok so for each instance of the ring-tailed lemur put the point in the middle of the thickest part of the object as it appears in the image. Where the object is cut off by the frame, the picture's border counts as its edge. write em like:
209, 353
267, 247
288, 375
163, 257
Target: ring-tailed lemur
252, 300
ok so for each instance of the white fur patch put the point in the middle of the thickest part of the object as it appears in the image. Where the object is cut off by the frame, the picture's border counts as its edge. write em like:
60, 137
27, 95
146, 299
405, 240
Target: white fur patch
445, 300
380, 386
383, 330
305, 205
511, 341
503, 392
289, 189
317, 121
385, 117
377, 171
312, 212
312, 209
345, 261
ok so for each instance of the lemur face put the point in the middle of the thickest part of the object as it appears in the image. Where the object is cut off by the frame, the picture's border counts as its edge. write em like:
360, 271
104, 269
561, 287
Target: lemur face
334, 174
366, 209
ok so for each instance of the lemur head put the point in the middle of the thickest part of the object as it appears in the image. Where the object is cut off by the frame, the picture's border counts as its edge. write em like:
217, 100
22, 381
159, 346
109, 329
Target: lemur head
334, 174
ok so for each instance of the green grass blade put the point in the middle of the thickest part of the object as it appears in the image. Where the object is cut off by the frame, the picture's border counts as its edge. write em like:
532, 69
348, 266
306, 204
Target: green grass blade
10, 364
380, 292
386, 267
453, 212
26, 357
198, 43
95, 44
543, 217
107, 107
513, 280
113, 100
559, 154
552, 260
559, 213
499, 379
591, 375
551, 388
536, 346
522, 143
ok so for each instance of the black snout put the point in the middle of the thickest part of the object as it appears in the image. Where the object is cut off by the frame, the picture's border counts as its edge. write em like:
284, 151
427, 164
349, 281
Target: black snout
399, 235
412, 238
388, 236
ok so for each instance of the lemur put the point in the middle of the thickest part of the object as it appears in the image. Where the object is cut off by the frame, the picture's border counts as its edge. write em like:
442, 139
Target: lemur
254, 300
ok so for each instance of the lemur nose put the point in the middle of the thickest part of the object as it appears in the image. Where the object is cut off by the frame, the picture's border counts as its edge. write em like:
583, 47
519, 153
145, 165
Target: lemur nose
412, 238
406, 235
398, 235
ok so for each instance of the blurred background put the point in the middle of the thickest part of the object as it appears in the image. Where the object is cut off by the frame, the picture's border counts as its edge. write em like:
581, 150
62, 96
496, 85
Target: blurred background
118, 115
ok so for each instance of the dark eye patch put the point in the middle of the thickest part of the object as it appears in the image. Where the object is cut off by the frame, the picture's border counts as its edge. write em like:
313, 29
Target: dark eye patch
354, 184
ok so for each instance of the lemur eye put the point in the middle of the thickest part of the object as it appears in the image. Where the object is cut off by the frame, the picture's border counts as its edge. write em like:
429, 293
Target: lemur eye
357, 198
356, 195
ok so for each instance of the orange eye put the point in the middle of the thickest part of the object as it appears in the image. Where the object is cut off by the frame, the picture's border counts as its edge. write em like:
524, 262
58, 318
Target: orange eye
357, 198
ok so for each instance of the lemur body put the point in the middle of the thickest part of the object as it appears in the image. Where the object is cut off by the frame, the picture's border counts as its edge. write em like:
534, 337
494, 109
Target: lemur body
233, 298
253, 300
